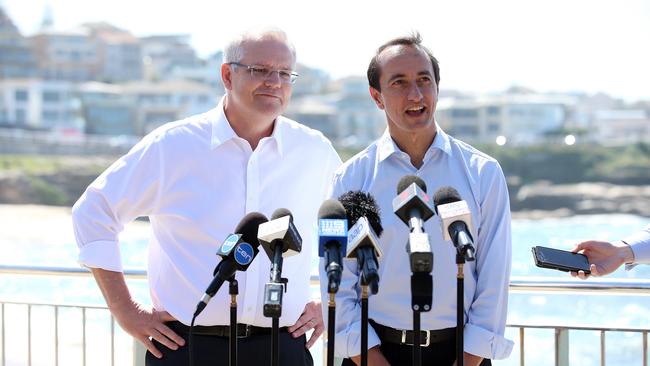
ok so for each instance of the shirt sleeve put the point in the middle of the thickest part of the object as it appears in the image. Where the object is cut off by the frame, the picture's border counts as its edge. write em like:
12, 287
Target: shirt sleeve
127, 189
348, 307
485, 328
640, 244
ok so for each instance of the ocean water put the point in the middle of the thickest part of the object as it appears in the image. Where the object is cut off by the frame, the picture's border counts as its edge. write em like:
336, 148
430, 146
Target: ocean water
52, 244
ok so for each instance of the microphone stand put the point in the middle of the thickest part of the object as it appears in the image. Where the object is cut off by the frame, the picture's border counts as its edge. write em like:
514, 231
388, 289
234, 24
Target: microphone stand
331, 314
460, 308
273, 300
421, 299
463, 252
233, 291
364, 324
369, 278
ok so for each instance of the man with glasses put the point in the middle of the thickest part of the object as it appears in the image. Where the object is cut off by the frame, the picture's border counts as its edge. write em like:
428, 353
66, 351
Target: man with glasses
195, 179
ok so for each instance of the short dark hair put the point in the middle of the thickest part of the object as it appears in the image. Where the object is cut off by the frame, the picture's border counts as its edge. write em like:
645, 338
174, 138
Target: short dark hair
415, 40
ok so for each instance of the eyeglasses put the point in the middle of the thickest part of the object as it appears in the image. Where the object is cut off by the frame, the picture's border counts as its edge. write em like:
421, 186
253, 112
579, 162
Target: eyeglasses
262, 73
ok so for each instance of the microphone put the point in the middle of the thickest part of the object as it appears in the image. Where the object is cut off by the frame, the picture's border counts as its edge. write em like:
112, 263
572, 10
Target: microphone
237, 252
279, 238
363, 242
413, 206
332, 240
456, 220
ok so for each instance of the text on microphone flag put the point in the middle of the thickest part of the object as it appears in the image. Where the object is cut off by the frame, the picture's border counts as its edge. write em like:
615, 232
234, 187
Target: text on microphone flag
332, 227
244, 254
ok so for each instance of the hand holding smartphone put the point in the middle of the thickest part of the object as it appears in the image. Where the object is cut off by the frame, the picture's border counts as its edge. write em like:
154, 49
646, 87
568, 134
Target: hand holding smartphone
560, 260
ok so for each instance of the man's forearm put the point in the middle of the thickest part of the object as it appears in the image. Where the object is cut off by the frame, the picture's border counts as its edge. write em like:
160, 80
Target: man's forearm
114, 288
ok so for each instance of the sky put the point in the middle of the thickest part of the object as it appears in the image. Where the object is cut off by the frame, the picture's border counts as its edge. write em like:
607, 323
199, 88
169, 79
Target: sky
483, 46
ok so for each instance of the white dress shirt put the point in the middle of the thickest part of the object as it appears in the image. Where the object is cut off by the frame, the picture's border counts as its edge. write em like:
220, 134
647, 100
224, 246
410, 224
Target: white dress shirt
640, 244
480, 182
196, 179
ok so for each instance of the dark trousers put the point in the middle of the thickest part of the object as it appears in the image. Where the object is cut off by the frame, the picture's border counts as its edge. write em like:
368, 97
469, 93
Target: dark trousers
254, 350
441, 353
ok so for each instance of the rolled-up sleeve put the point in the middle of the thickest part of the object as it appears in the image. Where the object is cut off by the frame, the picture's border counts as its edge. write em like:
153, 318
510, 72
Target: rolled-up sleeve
485, 328
127, 189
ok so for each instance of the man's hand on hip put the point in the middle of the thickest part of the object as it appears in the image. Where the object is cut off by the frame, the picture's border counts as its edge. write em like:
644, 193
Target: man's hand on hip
142, 324
311, 318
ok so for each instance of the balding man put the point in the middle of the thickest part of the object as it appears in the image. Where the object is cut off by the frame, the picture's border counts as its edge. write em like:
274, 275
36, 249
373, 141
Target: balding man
195, 179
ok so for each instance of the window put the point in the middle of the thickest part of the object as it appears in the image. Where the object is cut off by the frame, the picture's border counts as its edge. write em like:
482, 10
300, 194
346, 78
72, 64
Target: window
21, 95
464, 113
493, 111
21, 116
51, 96
50, 115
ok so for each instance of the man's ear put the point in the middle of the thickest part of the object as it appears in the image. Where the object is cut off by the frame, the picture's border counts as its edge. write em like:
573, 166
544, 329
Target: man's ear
226, 76
376, 96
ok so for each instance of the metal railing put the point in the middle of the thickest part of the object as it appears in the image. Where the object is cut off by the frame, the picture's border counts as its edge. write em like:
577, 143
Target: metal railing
517, 284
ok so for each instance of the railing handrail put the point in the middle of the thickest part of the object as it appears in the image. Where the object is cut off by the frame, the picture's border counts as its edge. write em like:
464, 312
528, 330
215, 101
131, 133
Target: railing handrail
62, 271
517, 283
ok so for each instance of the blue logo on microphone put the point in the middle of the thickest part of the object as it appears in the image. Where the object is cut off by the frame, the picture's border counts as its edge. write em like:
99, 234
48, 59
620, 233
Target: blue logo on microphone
229, 243
244, 254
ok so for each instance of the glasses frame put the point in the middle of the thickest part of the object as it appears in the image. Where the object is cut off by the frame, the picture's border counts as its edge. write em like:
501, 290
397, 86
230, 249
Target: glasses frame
252, 68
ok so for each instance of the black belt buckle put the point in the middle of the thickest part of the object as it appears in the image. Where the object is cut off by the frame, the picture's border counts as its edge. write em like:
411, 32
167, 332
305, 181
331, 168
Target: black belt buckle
247, 331
427, 338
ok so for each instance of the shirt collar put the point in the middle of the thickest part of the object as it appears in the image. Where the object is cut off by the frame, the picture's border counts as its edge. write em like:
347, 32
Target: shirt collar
387, 146
222, 131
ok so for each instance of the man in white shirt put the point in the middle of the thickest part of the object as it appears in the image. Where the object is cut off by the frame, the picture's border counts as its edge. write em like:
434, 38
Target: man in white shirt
195, 179
403, 78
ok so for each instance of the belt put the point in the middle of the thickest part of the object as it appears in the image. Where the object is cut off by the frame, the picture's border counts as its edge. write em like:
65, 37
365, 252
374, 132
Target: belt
405, 337
243, 330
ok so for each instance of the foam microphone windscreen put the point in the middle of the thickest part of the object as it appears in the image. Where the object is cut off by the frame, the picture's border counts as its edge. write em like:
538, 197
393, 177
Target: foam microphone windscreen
445, 195
248, 226
358, 204
332, 209
281, 212
407, 180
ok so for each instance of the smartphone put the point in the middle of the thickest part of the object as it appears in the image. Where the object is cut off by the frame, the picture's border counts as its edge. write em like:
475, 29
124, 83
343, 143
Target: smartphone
560, 260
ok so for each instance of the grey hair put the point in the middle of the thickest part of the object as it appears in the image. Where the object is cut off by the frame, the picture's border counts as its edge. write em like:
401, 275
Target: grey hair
234, 50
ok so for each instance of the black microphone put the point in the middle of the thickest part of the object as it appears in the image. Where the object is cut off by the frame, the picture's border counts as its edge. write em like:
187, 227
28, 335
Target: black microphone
236, 252
363, 242
413, 206
279, 238
456, 220
332, 240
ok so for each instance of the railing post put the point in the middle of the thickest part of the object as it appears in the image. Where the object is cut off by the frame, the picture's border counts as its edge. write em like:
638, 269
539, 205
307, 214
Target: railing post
602, 348
139, 352
645, 348
561, 347
522, 358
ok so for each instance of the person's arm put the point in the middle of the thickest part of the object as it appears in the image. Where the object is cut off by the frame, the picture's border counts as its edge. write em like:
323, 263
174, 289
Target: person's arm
137, 320
486, 317
129, 188
604, 257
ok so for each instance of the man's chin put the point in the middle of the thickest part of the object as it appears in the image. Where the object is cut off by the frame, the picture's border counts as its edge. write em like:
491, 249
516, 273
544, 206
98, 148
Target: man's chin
271, 110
